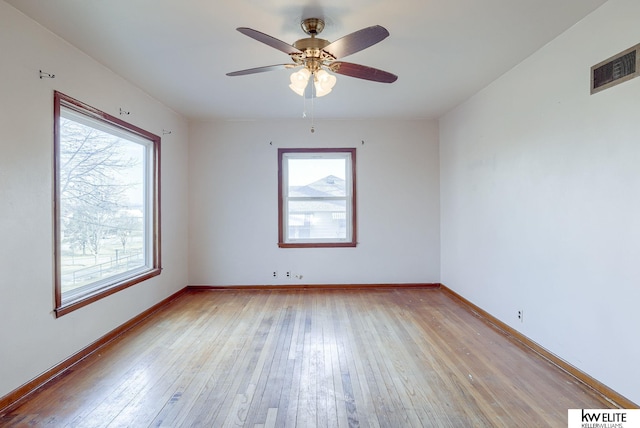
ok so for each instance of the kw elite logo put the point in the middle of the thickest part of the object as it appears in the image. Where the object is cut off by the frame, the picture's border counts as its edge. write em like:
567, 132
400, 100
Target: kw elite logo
604, 418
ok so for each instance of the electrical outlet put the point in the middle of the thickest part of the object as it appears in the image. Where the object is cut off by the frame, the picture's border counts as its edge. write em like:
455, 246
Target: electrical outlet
288, 274
275, 274
521, 315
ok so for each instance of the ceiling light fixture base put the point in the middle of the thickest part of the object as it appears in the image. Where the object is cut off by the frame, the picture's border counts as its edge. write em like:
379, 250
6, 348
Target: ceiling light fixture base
312, 26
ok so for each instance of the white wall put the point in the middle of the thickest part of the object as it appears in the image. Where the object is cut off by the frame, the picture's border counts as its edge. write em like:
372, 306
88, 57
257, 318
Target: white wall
540, 194
32, 340
234, 210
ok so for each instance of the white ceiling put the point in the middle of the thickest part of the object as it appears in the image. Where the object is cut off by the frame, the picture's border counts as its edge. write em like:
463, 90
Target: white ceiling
443, 51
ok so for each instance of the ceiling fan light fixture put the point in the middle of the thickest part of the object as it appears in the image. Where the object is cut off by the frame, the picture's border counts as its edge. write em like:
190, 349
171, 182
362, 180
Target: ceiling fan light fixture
299, 81
323, 82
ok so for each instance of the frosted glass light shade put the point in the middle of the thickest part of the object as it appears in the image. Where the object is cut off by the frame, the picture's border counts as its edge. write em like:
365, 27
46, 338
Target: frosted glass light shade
324, 82
299, 81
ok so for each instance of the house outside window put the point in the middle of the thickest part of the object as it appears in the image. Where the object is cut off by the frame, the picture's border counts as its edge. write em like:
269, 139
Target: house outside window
317, 197
107, 212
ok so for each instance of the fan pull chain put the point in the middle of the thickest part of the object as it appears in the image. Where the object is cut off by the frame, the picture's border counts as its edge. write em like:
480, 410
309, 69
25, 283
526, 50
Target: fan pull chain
304, 107
313, 111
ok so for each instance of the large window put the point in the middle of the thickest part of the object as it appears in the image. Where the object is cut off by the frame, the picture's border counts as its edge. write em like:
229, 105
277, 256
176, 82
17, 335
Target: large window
107, 213
317, 197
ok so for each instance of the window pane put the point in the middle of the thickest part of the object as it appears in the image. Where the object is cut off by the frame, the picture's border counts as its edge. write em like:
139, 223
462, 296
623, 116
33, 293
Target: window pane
317, 177
102, 203
107, 204
317, 219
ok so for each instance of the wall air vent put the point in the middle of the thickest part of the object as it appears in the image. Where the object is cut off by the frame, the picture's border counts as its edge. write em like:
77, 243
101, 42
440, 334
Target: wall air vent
617, 69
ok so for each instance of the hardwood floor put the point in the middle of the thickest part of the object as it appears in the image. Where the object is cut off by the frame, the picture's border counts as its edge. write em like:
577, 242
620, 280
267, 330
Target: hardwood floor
380, 357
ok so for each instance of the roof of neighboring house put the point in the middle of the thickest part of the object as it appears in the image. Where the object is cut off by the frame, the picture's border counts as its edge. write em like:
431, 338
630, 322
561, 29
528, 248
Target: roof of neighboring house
322, 188
327, 186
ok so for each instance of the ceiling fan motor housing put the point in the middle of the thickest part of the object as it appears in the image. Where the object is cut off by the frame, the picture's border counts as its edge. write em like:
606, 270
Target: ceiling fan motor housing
312, 56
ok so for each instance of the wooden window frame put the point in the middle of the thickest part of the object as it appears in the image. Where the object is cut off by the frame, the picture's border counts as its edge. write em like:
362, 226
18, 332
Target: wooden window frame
154, 266
353, 196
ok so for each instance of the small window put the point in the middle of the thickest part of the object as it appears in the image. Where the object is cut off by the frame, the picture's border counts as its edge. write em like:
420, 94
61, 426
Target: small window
107, 228
317, 197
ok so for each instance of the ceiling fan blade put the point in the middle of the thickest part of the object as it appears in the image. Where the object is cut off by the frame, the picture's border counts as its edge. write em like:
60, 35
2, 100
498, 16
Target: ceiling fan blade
357, 41
261, 69
363, 72
268, 40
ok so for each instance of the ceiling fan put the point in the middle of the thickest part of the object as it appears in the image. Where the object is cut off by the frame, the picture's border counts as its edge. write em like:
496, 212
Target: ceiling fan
319, 58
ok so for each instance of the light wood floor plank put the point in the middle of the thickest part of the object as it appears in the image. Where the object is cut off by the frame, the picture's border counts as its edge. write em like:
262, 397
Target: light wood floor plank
305, 358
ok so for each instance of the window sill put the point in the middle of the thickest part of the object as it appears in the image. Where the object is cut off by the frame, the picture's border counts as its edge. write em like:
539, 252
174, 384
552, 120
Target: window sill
80, 302
316, 244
